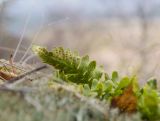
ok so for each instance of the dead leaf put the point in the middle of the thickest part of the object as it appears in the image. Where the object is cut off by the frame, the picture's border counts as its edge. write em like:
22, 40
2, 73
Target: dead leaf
6, 76
127, 102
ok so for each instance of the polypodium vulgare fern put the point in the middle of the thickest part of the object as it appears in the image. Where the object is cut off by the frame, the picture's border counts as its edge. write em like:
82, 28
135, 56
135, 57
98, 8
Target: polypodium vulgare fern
72, 67
123, 93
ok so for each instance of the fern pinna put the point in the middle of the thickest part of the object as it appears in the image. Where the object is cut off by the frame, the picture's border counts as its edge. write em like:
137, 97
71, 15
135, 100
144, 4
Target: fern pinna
72, 67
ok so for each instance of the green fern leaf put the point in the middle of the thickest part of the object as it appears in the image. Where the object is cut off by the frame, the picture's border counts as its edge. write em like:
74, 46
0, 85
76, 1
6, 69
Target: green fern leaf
75, 68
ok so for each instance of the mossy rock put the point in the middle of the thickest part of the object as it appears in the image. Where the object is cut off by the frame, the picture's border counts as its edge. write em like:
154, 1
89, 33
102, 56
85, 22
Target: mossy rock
36, 100
45, 105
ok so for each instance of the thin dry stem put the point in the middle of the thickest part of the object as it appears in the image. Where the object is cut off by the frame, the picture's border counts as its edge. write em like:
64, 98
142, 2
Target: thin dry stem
22, 36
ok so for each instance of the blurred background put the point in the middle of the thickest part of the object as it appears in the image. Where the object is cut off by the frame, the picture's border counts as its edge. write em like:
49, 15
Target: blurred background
122, 35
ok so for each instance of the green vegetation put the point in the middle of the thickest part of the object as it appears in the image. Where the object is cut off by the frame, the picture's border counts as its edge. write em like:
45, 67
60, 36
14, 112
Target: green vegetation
120, 92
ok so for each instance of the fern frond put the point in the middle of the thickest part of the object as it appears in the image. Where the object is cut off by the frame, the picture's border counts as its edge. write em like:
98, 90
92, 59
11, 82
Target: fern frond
75, 68
124, 93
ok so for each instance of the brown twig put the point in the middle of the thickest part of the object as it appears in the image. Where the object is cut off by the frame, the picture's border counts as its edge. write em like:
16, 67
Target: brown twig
25, 74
